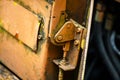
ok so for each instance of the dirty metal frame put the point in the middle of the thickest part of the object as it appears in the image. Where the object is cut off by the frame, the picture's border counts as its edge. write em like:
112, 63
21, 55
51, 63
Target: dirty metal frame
63, 31
70, 34
85, 50
19, 58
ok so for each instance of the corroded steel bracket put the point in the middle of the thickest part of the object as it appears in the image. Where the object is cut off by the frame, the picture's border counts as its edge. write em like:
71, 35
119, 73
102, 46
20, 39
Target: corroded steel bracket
58, 17
74, 33
66, 33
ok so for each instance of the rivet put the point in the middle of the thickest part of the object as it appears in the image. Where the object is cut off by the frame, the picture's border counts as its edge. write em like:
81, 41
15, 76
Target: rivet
39, 37
68, 25
78, 30
59, 38
76, 42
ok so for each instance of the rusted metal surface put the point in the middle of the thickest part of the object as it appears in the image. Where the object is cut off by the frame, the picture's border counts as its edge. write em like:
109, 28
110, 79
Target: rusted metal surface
66, 33
16, 54
66, 48
23, 25
38, 7
76, 10
25, 63
71, 54
60, 76
58, 16
29, 65
18, 58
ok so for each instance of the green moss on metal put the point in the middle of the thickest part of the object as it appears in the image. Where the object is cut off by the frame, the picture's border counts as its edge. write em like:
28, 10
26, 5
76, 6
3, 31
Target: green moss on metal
41, 32
1, 25
49, 1
20, 2
0, 61
46, 6
1, 30
61, 22
24, 5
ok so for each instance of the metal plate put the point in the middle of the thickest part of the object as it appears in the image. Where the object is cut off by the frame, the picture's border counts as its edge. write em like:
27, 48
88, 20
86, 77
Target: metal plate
29, 65
19, 22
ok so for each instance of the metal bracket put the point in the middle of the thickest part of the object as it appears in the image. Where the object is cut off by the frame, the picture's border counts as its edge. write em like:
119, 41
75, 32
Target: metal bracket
66, 33
71, 32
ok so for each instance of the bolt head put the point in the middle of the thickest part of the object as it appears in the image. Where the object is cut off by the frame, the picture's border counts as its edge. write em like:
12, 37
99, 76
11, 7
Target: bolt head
69, 25
59, 38
39, 37
76, 42
78, 30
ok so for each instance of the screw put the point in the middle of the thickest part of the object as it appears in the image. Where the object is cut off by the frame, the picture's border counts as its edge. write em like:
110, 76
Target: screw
66, 19
78, 30
83, 24
76, 42
68, 26
40, 19
39, 37
59, 38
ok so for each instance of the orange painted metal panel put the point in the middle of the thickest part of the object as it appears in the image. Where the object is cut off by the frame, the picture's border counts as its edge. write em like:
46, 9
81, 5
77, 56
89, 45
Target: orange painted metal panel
19, 22
26, 63
18, 57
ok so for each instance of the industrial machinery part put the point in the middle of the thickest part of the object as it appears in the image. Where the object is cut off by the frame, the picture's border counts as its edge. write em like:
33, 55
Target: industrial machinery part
48, 39
32, 33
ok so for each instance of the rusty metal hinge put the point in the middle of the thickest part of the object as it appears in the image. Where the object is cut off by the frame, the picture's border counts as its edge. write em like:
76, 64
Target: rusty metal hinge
72, 35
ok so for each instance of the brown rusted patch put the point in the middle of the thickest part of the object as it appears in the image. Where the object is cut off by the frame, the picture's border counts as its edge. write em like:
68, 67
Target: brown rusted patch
76, 10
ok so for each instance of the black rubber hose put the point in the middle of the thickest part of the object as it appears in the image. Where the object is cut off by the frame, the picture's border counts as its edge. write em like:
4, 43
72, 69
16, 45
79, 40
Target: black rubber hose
102, 51
111, 53
118, 37
112, 42
88, 73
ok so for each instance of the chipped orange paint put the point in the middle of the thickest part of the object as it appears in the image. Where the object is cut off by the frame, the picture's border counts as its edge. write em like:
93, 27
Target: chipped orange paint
18, 57
27, 64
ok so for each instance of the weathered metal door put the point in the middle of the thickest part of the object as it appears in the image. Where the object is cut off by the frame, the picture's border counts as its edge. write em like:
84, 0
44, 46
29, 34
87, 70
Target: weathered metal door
27, 35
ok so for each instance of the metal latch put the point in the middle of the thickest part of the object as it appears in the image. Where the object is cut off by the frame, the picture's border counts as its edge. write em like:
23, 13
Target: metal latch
72, 36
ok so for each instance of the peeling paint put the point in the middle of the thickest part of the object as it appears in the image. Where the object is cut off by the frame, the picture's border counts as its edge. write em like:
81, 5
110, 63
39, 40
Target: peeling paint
60, 23
40, 42
27, 7
49, 1
1, 25
46, 6
1, 30
22, 4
